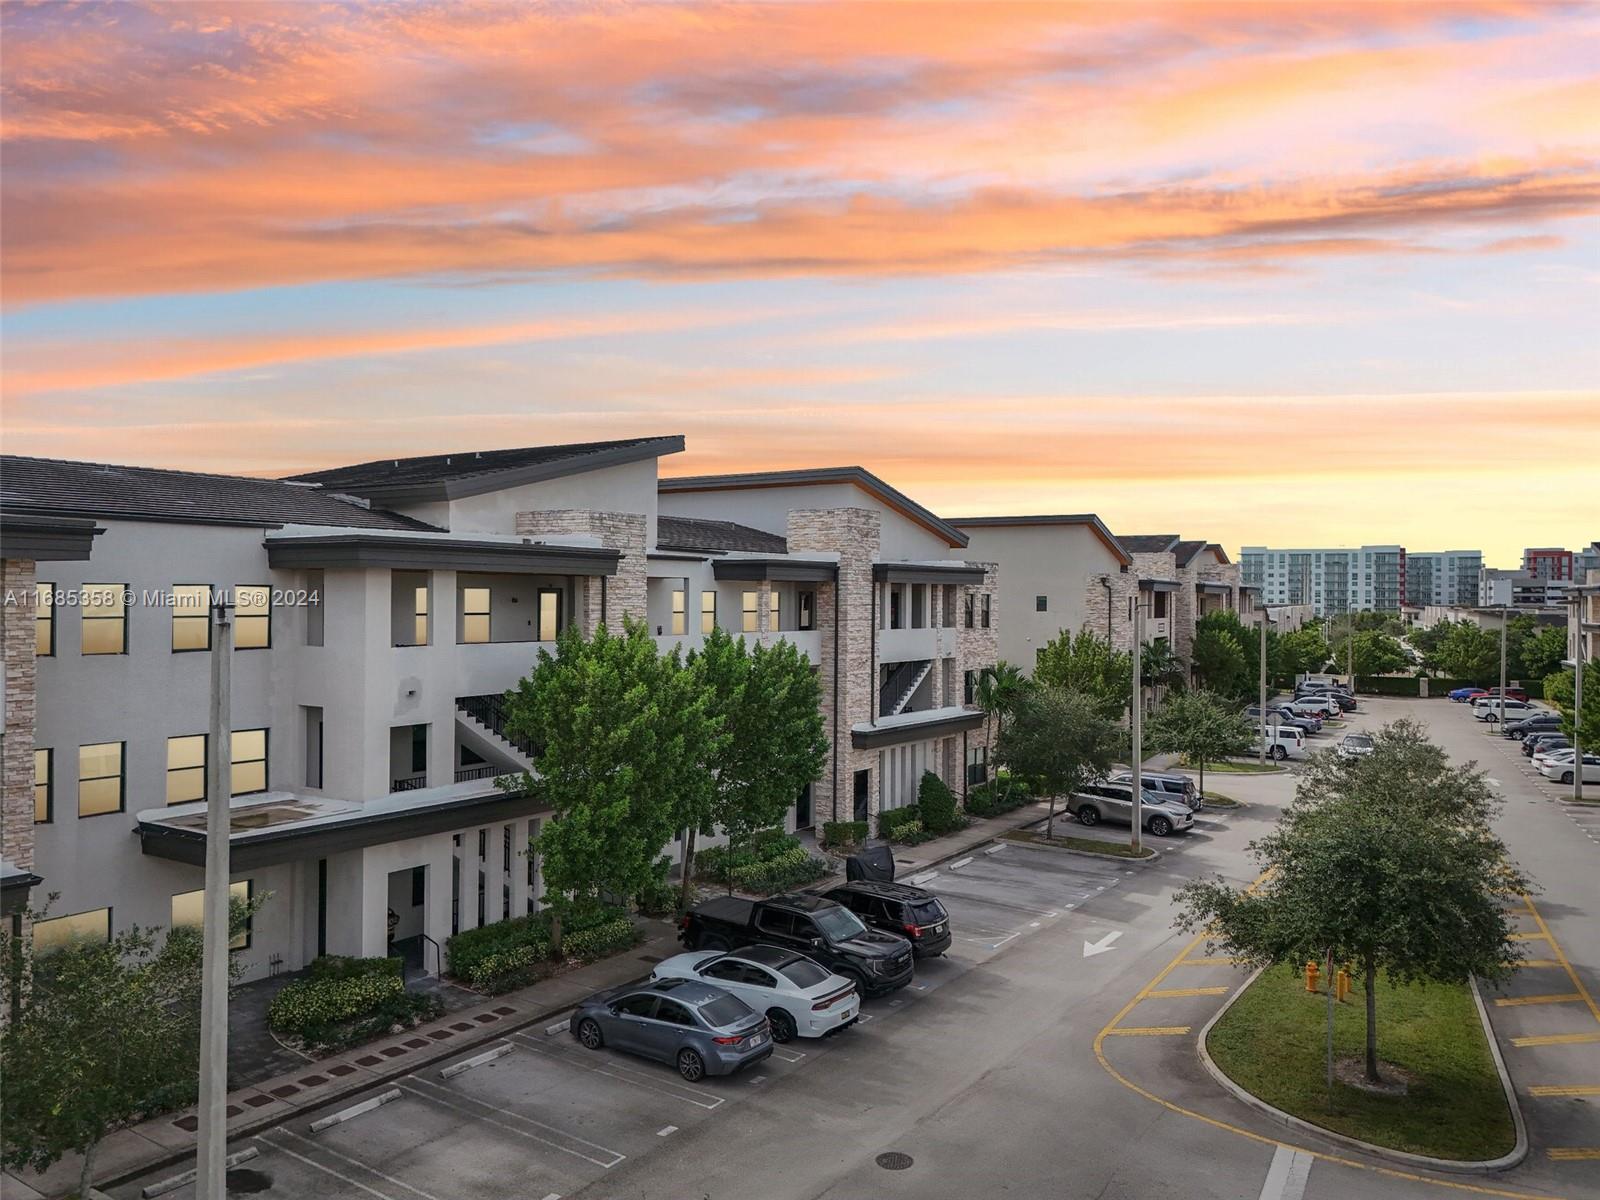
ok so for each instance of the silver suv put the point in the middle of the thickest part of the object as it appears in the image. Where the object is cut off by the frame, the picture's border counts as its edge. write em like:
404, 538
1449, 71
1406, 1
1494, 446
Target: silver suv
1168, 784
1159, 814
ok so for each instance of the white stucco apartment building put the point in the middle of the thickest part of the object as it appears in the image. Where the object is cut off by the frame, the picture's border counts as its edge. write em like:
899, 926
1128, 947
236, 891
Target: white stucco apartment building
381, 611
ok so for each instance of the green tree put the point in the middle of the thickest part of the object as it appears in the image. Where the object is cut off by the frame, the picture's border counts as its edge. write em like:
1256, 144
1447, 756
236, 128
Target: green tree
1159, 666
1059, 741
766, 703
1540, 653
1378, 653
99, 1034
623, 735
1559, 690
1388, 861
1201, 726
1000, 688
1088, 664
1470, 653
1302, 651
1219, 657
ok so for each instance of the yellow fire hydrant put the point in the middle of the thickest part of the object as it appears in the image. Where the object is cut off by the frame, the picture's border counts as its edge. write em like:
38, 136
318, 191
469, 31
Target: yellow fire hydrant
1313, 974
1344, 981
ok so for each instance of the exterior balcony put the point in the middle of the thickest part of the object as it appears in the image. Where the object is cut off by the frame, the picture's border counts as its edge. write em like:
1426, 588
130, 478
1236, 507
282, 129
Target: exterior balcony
906, 645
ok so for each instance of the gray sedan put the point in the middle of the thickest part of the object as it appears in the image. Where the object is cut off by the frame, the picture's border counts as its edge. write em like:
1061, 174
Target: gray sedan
700, 1029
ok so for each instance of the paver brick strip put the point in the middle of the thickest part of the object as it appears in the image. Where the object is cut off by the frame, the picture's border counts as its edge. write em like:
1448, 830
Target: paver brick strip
511, 1012
284, 1092
485, 1018
313, 1080
461, 1027
342, 1070
369, 1060
258, 1100
392, 1051
416, 1043
439, 1035
189, 1124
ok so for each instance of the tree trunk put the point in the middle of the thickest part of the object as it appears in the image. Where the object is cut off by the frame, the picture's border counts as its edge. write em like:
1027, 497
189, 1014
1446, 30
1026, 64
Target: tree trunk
1372, 1019
1050, 825
555, 934
86, 1172
1202, 778
688, 868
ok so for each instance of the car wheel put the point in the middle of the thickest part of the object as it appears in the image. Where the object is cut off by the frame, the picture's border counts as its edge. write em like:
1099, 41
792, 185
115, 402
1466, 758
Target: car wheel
783, 1026
1567, 777
1279, 753
712, 942
1088, 815
589, 1034
1160, 826
690, 1065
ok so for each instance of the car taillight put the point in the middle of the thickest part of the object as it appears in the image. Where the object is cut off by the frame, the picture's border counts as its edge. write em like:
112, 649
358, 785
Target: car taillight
683, 921
728, 1041
913, 930
830, 1001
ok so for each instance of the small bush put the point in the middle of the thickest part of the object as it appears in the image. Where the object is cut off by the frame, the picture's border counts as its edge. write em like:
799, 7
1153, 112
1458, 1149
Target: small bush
658, 898
909, 833
343, 1002
790, 869
990, 800
839, 835
496, 958
587, 945
891, 819
937, 804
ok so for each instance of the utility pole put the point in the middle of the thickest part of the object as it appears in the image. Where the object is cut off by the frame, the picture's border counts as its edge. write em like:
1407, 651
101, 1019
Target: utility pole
1577, 711
211, 1174
1505, 622
1138, 724
1264, 619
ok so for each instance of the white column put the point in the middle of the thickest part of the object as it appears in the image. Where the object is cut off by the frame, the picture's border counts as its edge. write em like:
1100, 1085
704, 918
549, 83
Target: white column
436, 917
519, 869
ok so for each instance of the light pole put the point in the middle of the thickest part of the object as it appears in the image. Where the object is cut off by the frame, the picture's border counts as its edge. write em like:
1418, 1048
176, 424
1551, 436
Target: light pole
1505, 621
211, 1165
1265, 619
1575, 598
1138, 722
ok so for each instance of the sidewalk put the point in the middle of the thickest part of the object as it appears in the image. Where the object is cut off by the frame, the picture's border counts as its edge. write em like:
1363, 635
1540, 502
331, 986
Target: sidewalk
170, 1139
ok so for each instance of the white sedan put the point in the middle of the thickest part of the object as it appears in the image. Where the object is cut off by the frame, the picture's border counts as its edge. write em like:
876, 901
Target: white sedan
1561, 769
801, 998
1356, 745
1544, 757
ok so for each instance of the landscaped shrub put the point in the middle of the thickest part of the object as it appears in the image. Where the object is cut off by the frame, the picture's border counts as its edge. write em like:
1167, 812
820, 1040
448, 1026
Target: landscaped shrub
343, 1002
789, 869
890, 820
937, 804
510, 954
842, 835
586, 945
909, 833
658, 898
994, 800
466, 950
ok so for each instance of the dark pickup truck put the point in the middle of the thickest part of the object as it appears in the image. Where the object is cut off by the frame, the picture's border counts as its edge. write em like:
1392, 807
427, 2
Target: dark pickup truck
817, 927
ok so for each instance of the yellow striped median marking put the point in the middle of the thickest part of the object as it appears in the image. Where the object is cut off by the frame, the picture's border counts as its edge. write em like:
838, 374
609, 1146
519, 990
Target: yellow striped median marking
1530, 937
1535, 962
1574, 1153
1149, 1030
1561, 957
1557, 998
1207, 962
1558, 1039
1556, 1089
1168, 993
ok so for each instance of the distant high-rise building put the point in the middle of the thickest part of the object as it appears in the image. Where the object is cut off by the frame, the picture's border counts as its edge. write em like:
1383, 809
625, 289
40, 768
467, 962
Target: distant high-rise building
1548, 562
1331, 581
1447, 577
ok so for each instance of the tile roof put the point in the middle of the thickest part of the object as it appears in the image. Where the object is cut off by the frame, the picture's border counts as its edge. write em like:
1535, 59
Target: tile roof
473, 472
1147, 543
105, 491
693, 533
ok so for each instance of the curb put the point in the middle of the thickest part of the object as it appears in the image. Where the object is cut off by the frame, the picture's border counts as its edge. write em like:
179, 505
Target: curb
1491, 1166
1155, 855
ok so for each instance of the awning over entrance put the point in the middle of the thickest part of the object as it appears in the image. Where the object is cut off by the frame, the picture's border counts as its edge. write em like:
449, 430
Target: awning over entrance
777, 569
423, 552
915, 727
926, 572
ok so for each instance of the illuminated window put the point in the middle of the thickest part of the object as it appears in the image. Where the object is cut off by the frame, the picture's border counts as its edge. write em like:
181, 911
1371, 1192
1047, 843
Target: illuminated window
44, 621
773, 610
805, 610
249, 761
708, 611
252, 617
105, 618
474, 614
549, 615
985, 609
58, 933
100, 782
680, 619
189, 911
419, 633
186, 768
44, 794
191, 617
752, 602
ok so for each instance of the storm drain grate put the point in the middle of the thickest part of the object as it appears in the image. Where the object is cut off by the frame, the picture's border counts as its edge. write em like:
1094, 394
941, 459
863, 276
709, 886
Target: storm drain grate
893, 1160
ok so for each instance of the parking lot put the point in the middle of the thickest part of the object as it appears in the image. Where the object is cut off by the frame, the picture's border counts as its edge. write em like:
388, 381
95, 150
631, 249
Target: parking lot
547, 1118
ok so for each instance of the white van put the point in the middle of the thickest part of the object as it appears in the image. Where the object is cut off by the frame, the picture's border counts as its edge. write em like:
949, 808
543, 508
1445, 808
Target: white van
1487, 708
1283, 741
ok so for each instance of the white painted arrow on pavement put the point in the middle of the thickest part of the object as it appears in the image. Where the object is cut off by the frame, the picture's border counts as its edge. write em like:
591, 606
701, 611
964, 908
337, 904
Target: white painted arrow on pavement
1090, 949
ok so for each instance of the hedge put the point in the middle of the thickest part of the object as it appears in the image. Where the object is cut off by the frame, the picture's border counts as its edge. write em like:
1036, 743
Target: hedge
937, 803
778, 874
890, 821
510, 954
344, 1001
1408, 685
586, 945
988, 800
909, 833
842, 834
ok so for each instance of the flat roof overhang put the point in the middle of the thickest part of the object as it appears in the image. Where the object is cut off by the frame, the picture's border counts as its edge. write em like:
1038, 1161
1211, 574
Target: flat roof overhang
912, 572
294, 841
45, 538
776, 569
1159, 585
1211, 585
15, 885
938, 722
438, 554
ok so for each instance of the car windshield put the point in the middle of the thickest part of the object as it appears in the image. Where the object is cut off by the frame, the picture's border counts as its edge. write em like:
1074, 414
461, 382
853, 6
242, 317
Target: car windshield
1359, 739
838, 924
927, 912
724, 1011
804, 973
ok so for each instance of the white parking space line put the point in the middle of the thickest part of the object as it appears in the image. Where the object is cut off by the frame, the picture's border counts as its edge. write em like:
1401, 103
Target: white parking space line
461, 1102
1288, 1175
355, 1162
788, 1056
553, 1196
336, 1174
924, 878
623, 1073
666, 1131
1004, 940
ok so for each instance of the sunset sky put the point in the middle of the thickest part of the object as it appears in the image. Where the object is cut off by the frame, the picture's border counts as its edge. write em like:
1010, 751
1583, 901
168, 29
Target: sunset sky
1288, 273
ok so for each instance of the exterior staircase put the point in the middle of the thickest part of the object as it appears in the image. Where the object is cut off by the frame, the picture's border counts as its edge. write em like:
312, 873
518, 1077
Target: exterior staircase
483, 718
902, 683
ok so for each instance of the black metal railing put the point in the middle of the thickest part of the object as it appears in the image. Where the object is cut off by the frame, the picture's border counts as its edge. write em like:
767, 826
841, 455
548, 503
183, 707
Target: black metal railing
900, 678
408, 785
492, 713
465, 774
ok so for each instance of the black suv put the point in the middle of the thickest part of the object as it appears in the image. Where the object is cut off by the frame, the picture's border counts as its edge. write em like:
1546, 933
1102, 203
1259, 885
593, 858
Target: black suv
899, 908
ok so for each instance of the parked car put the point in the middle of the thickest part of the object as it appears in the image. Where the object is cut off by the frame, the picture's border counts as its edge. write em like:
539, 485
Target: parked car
1540, 722
1345, 700
1543, 758
911, 912
1283, 741
1286, 717
1461, 694
1107, 801
823, 929
1165, 783
1488, 708
1512, 693
1313, 706
1562, 769
1356, 745
800, 998
1326, 706
1539, 743
700, 1029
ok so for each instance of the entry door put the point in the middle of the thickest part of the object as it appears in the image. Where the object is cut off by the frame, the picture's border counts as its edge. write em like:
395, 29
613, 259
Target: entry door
549, 614
803, 818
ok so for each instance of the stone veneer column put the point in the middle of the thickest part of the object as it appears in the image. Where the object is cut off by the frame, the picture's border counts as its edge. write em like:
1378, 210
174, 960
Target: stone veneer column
18, 601
625, 592
853, 534
977, 648
1124, 587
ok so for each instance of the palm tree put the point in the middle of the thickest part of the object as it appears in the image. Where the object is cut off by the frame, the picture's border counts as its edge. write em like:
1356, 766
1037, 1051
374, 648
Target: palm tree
1159, 666
999, 688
